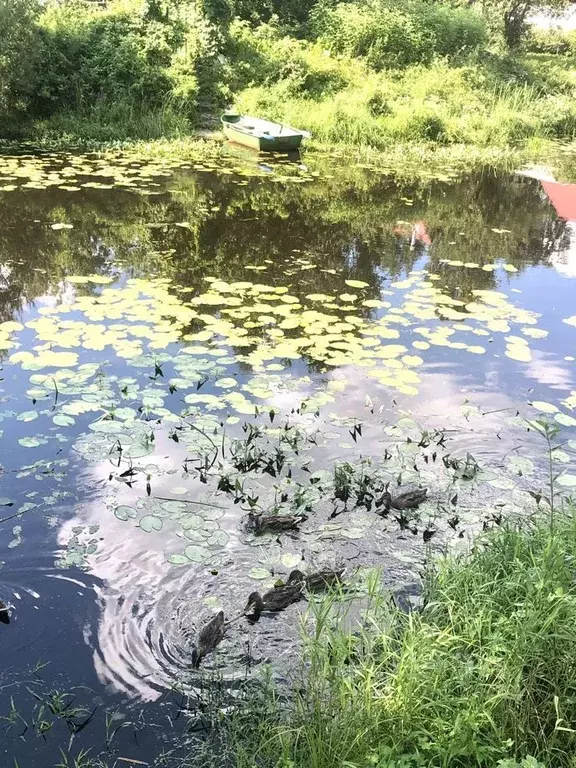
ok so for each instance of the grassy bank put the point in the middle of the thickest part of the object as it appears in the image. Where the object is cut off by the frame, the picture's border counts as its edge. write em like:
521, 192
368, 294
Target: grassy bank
364, 77
483, 675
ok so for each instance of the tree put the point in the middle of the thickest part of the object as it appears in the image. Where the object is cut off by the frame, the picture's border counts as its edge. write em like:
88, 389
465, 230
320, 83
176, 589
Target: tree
511, 16
17, 47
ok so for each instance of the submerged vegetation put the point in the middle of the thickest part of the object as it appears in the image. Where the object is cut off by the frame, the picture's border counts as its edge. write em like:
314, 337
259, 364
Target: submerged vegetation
366, 75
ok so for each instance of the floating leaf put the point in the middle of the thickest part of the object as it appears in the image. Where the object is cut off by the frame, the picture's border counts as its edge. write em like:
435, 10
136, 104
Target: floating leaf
544, 407
291, 560
27, 416
565, 420
63, 420
178, 560
357, 284
567, 480
124, 512
151, 523
259, 574
29, 442
196, 554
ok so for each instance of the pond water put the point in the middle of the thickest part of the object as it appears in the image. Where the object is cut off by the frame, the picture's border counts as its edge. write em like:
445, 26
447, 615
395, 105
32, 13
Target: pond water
183, 342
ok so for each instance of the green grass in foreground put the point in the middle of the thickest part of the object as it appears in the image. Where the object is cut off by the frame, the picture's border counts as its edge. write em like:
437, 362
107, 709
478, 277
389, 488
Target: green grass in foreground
484, 675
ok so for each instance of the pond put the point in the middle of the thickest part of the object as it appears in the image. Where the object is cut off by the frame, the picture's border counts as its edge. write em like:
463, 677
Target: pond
186, 343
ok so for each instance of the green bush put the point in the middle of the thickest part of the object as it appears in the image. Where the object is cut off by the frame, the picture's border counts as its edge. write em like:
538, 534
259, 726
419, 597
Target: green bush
555, 41
265, 56
125, 54
398, 34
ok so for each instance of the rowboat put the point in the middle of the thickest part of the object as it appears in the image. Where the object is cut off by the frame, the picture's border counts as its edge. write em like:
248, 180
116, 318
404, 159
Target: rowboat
263, 135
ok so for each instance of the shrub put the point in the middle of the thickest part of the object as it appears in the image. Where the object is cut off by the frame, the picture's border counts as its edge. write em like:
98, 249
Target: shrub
397, 35
555, 41
124, 54
265, 56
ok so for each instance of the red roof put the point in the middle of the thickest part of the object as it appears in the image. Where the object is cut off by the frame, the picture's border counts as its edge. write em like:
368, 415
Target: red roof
562, 197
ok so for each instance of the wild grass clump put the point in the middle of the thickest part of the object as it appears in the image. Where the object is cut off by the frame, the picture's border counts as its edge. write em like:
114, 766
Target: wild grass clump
483, 675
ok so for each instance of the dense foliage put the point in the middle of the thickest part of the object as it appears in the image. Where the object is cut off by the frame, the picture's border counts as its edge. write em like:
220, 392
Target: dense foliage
396, 34
362, 72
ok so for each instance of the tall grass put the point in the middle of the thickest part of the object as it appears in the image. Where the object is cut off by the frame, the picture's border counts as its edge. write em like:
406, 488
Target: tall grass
483, 675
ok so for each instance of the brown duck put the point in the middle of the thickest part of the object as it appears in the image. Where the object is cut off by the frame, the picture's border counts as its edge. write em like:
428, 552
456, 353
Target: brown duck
210, 636
407, 500
277, 598
321, 579
275, 523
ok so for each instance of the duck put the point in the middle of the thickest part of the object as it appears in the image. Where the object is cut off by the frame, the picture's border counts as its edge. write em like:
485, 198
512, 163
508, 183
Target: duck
210, 636
407, 500
4, 613
277, 598
322, 579
275, 523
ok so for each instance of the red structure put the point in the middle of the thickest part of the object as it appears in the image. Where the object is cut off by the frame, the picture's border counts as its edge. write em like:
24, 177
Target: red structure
562, 197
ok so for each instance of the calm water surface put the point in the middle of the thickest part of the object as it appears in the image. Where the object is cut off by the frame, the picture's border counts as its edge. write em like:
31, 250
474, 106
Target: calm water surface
182, 340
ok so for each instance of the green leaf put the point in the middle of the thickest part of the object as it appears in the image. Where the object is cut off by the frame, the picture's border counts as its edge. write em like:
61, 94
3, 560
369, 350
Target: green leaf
29, 442
196, 554
62, 420
125, 513
27, 416
291, 560
565, 420
544, 407
259, 573
150, 523
178, 560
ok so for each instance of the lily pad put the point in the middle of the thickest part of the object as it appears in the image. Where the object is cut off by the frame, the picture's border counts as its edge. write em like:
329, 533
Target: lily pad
259, 573
196, 554
124, 512
178, 560
151, 523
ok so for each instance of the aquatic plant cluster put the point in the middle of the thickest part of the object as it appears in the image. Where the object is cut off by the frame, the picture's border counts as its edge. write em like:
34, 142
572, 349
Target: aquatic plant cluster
239, 427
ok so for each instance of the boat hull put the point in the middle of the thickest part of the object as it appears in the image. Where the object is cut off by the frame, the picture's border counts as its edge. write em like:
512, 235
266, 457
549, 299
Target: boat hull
261, 141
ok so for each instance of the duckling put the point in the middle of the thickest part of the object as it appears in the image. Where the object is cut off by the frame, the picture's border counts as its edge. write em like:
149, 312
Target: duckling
277, 598
275, 523
407, 500
4, 613
210, 636
322, 579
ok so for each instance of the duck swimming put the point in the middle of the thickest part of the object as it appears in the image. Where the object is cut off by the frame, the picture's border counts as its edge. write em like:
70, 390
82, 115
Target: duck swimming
210, 636
277, 598
4, 613
407, 500
322, 579
275, 523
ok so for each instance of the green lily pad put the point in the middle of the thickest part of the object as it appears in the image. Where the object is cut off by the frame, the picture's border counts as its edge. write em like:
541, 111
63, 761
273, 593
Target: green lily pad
125, 513
150, 523
259, 574
178, 560
27, 416
291, 560
196, 554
